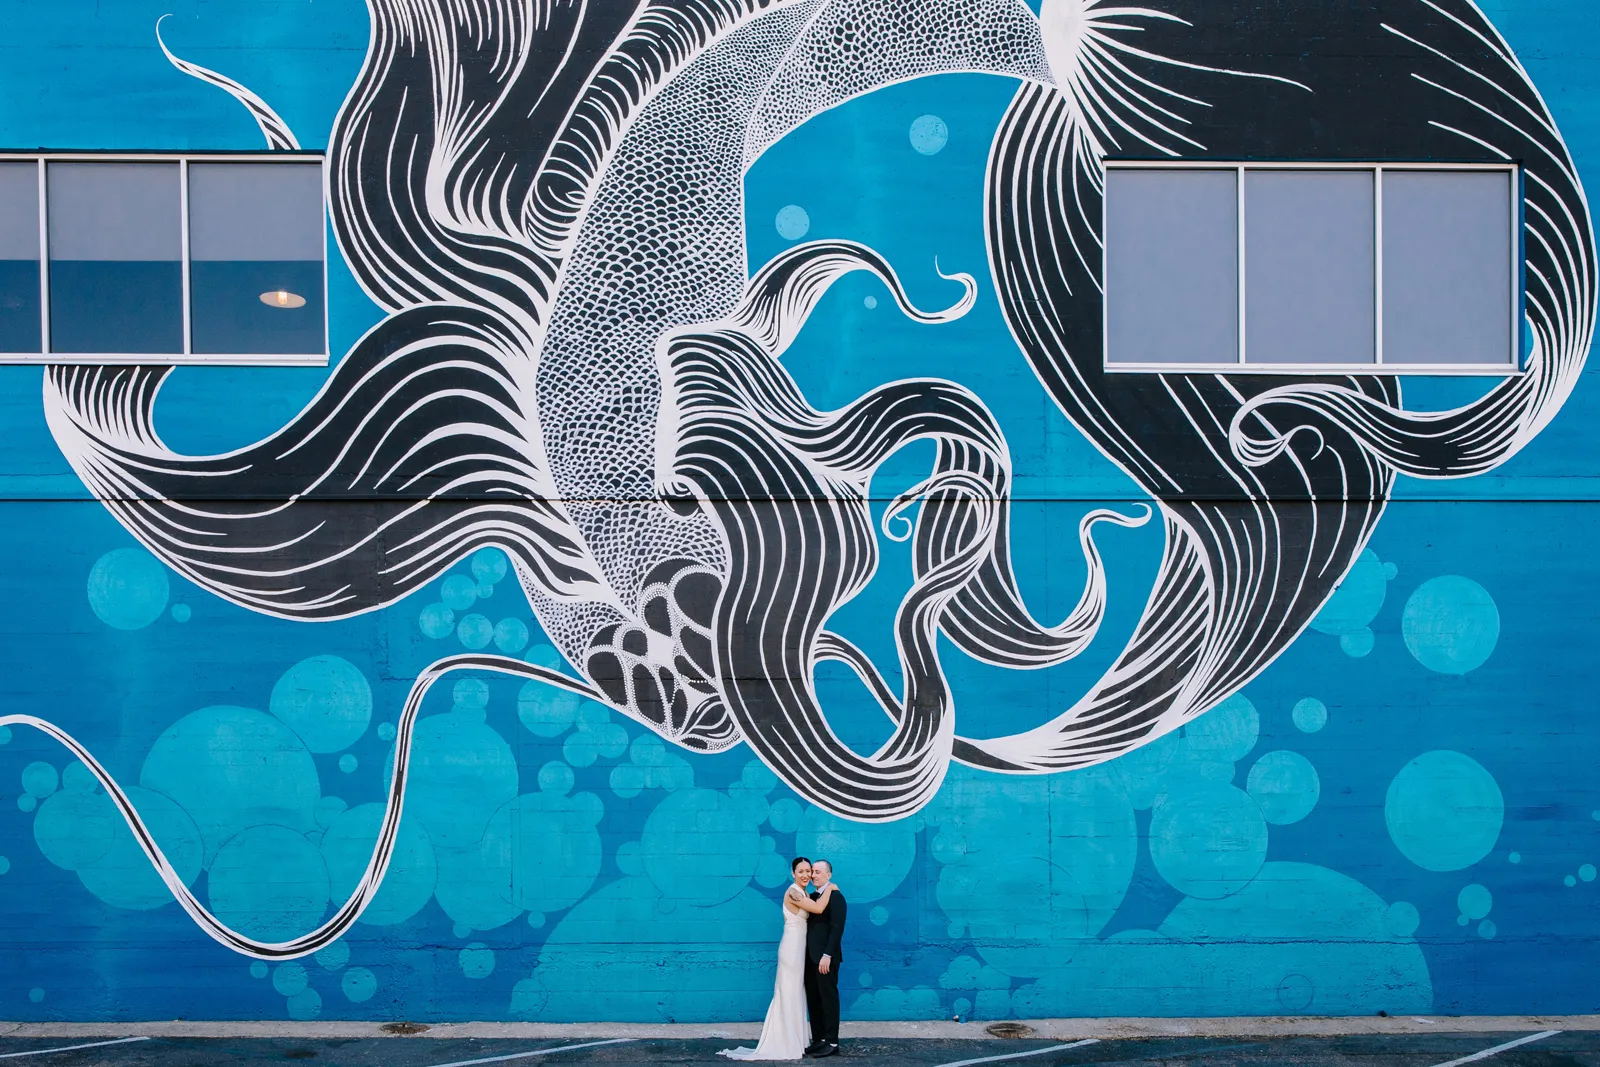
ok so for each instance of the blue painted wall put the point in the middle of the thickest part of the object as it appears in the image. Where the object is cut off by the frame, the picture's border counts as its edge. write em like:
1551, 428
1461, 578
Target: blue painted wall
1400, 814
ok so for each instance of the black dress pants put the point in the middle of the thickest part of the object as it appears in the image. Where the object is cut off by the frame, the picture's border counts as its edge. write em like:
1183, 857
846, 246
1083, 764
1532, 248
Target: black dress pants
822, 1002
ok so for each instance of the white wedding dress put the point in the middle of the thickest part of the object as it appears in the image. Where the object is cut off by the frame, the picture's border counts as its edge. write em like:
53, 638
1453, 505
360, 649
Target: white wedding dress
783, 1035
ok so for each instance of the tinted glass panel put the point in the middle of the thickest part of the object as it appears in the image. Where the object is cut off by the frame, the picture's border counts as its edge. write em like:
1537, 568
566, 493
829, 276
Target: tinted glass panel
1172, 283
255, 250
19, 257
1308, 267
1446, 267
116, 274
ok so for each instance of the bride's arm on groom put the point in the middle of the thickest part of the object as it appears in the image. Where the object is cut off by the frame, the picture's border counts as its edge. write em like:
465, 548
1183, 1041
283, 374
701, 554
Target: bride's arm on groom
805, 903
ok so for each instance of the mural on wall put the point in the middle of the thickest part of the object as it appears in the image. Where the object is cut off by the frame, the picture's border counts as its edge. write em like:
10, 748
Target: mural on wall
578, 383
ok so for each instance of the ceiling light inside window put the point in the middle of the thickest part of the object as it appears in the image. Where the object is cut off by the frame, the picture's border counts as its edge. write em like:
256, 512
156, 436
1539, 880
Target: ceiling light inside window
282, 298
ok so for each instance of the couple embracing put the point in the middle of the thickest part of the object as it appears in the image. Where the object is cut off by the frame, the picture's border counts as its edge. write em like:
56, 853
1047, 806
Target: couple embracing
808, 970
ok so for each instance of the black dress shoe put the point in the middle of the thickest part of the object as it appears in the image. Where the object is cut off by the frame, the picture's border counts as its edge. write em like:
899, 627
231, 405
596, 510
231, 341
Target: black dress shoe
825, 1050
811, 1049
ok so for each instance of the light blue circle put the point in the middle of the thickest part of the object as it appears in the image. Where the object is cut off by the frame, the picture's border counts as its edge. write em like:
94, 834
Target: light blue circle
792, 222
556, 777
510, 636
708, 826
36, 994
1487, 929
545, 710
386, 731
358, 985
879, 915
869, 302
324, 699
1209, 840
269, 883
459, 592
182, 613
1226, 733
348, 763
929, 134
629, 859
758, 777
1462, 920
1569, 881
784, 816
1444, 811
27, 802
536, 919
470, 693
489, 565
485, 590
39, 779
128, 588
1402, 919
289, 978
476, 960
1475, 901
1515, 857
461, 929
413, 869
1356, 599
258, 969
877, 856
627, 780
1285, 785
772, 870
124, 877
5, 739
1586, 872
5, 865
1450, 624
475, 631
77, 778
305, 1005
74, 829
545, 656
436, 621
864, 979
334, 957
1358, 643
1310, 715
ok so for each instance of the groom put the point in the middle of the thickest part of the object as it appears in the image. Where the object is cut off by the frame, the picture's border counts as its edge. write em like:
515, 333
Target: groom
823, 953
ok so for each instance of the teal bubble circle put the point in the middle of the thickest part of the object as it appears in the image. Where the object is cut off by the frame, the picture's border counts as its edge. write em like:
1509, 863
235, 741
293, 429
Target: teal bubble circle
627, 780
358, 985
1586, 872
1487, 929
386, 731
1515, 857
348, 763
629, 859
462, 771
869, 302
413, 869
73, 829
334, 957
458, 592
489, 565
77, 778
5, 865
305, 1005
1402, 919
36, 994
772, 870
475, 631
784, 816
258, 969
124, 877
1225, 733
792, 222
1309, 715
39, 779
182, 613
1450, 624
536, 919
27, 802
1474, 901
269, 883
510, 636
1358, 643
1355, 601
476, 960
758, 777
1444, 811
878, 915
324, 699
1284, 785
706, 830
470, 693
876, 856
1207, 840
128, 588
545, 710
929, 134
556, 777
290, 978
436, 621
232, 768
1569, 881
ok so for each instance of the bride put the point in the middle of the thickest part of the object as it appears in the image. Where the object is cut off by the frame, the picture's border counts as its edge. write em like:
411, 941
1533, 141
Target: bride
783, 1033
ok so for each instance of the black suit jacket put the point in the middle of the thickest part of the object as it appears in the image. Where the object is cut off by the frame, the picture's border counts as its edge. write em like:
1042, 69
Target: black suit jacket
825, 932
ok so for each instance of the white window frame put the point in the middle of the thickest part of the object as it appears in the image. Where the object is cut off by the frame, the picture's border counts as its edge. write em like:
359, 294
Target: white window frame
1514, 343
187, 357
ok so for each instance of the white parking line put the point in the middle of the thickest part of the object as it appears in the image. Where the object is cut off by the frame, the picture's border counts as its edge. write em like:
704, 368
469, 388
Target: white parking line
1021, 1055
534, 1052
1486, 1053
70, 1048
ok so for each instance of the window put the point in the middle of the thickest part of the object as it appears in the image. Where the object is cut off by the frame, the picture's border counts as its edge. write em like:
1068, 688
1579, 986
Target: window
1305, 268
162, 259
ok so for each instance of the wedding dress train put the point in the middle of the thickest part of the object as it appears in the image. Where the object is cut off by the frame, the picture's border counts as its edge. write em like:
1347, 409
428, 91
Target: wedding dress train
783, 1035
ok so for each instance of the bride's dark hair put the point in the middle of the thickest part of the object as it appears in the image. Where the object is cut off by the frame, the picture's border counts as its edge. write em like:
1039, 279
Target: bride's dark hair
798, 860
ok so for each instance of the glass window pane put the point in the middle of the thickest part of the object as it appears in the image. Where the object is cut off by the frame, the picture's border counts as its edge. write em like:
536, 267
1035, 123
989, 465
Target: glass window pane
1308, 266
116, 273
255, 251
1447, 267
1172, 282
19, 257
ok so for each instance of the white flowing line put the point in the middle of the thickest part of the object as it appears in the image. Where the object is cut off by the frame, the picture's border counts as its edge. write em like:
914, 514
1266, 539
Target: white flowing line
1021, 1055
1486, 1053
535, 1052
70, 1048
